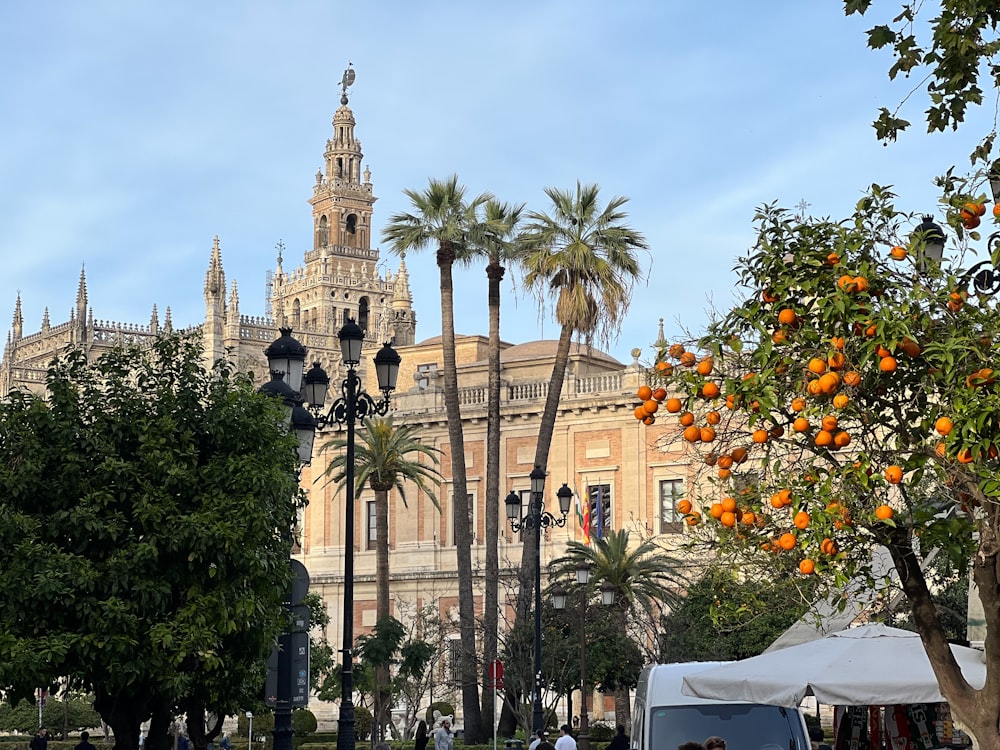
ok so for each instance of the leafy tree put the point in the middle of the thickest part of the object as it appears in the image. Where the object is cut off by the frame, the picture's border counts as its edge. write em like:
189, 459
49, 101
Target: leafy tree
583, 254
149, 503
945, 46
859, 373
385, 457
724, 617
645, 580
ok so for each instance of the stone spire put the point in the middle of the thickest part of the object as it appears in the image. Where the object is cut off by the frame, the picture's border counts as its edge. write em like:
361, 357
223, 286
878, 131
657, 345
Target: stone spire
45, 319
18, 324
215, 277
215, 307
401, 297
154, 321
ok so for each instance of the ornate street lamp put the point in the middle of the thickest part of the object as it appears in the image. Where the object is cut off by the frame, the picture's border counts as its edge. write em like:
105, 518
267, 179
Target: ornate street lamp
536, 519
352, 405
559, 596
286, 361
983, 277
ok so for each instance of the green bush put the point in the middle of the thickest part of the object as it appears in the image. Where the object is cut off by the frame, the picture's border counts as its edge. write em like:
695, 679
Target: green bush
303, 722
262, 724
601, 732
446, 709
363, 723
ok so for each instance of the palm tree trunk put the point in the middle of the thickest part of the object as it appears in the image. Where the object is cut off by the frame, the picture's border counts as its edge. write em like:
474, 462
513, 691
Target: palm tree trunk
491, 611
526, 575
460, 503
381, 605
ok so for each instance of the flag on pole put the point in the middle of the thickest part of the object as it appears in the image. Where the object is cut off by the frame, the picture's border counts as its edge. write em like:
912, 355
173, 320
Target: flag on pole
583, 516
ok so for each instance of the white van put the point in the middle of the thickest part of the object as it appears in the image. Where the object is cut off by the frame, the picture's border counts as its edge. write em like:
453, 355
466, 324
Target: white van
664, 718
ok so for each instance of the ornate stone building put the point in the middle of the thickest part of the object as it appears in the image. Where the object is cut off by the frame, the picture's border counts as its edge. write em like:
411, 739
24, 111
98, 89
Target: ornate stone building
640, 471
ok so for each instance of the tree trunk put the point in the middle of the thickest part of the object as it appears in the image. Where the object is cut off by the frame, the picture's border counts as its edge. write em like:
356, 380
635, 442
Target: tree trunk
124, 714
491, 608
382, 696
526, 575
461, 517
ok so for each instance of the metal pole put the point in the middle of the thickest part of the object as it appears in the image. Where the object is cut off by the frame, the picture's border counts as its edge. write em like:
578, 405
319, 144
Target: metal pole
537, 719
345, 722
583, 741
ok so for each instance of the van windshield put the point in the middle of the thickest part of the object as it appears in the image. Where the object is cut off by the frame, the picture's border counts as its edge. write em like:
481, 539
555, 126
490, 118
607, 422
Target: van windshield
742, 726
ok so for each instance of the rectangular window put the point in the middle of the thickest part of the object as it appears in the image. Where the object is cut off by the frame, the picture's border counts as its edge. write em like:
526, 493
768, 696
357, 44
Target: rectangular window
600, 510
372, 531
671, 491
455, 661
427, 375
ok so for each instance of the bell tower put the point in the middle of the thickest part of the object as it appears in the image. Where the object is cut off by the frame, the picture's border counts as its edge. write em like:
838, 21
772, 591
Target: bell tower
340, 278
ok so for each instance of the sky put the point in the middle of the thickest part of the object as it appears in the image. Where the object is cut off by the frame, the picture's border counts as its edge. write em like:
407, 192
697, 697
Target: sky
132, 133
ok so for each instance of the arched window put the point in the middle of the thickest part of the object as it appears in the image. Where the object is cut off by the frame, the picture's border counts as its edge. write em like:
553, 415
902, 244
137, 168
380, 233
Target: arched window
296, 314
351, 230
323, 233
363, 308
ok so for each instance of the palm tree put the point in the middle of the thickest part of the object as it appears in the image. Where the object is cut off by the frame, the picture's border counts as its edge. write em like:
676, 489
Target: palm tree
386, 456
645, 580
500, 221
441, 216
584, 256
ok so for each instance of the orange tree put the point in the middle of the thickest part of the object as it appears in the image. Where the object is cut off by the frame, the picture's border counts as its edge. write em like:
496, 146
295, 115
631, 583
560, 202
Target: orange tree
850, 401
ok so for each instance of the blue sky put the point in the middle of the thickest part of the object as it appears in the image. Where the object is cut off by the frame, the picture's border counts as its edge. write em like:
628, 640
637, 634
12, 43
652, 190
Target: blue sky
132, 133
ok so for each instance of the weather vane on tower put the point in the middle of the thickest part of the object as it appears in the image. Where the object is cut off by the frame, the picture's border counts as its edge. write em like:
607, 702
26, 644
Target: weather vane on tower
347, 80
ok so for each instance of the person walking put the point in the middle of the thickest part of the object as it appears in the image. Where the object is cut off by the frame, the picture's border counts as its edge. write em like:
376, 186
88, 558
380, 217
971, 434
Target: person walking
421, 738
537, 739
442, 737
620, 740
565, 740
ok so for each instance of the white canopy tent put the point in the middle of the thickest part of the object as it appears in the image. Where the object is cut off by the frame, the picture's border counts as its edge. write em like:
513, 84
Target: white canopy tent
870, 665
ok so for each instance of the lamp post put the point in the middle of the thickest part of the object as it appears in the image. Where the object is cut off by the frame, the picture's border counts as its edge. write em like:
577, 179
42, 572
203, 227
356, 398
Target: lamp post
285, 359
537, 519
352, 405
559, 595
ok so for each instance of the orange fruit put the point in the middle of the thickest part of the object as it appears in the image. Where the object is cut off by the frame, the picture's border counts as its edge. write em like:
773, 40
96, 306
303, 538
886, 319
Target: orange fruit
707, 434
648, 420
688, 359
841, 400
725, 461
940, 449
823, 439
787, 317
829, 382
768, 296
828, 547
898, 252
665, 368
644, 393
739, 455
971, 223
887, 364
729, 505
955, 301
779, 337
776, 501
651, 406
852, 378
710, 390
861, 283
686, 419
749, 518
673, 405
964, 456
894, 474
801, 424
730, 401
844, 281
830, 422
871, 330
760, 436
716, 510
836, 361
713, 417
801, 520
705, 366
943, 425
786, 497
842, 439
910, 348
807, 567
692, 434
832, 259
798, 404
693, 519
814, 388
676, 350
640, 413
883, 512
728, 519
996, 210
882, 351
711, 458
817, 365
660, 393
980, 209
724, 473
777, 431
684, 506
787, 540
837, 342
